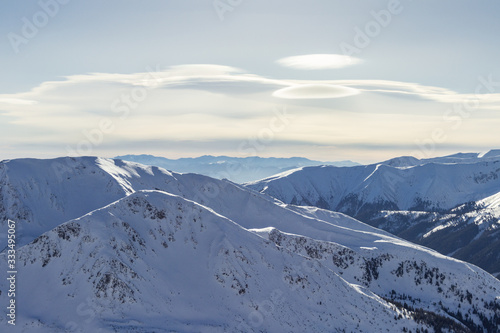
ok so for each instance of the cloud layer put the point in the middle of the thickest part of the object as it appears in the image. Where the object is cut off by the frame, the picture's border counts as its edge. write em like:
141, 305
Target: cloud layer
103, 113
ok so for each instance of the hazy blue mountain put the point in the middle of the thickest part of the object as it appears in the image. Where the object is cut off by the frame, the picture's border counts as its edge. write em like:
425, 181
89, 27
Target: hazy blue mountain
236, 169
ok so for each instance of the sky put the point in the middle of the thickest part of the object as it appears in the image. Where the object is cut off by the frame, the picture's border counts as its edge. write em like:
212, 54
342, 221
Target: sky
323, 79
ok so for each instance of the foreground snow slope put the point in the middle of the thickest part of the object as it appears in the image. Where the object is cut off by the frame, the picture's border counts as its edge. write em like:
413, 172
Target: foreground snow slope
153, 261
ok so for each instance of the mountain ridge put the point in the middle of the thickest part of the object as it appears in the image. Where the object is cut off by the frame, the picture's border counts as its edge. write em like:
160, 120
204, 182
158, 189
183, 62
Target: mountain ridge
433, 202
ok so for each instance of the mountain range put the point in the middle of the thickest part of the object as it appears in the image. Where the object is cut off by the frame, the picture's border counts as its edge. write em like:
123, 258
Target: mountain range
107, 245
451, 203
236, 169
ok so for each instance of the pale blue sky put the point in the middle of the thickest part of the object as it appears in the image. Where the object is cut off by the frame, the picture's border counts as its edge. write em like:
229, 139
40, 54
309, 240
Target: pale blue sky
413, 73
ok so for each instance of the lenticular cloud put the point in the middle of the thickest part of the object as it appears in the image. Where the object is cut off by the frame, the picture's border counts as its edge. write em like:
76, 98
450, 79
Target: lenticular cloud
315, 91
318, 61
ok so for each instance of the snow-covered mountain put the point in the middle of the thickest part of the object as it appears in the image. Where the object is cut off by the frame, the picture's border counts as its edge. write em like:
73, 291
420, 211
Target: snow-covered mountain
459, 158
195, 254
236, 169
451, 203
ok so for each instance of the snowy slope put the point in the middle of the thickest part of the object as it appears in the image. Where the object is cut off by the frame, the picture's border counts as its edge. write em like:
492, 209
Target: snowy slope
450, 204
41, 194
153, 261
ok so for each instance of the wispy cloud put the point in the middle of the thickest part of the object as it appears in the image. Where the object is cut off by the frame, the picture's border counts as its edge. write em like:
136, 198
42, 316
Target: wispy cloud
16, 101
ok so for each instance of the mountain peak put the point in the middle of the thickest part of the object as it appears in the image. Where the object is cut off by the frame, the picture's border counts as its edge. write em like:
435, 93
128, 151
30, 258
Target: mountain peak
492, 153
